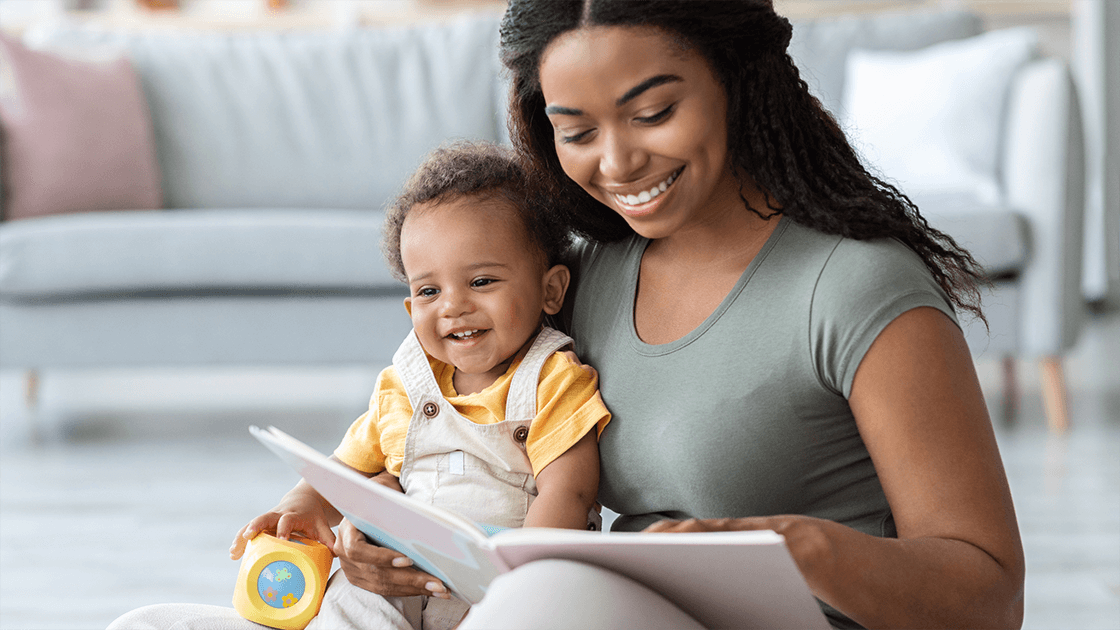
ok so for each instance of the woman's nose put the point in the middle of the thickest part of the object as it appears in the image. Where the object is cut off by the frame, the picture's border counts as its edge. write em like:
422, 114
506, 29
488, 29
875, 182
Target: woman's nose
621, 157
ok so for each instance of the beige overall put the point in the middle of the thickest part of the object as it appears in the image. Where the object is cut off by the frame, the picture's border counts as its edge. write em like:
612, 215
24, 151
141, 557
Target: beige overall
480, 471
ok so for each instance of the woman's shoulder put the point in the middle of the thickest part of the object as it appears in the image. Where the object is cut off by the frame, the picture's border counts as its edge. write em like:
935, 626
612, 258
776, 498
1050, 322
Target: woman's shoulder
594, 263
586, 253
859, 288
845, 264
883, 264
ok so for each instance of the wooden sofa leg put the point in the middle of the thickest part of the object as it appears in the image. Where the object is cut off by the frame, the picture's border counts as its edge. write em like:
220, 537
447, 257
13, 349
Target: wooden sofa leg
31, 389
1054, 398
1010, 398
32, 384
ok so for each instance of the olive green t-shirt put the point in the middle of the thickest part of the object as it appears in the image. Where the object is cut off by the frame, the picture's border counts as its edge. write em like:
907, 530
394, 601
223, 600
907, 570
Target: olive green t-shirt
747, 415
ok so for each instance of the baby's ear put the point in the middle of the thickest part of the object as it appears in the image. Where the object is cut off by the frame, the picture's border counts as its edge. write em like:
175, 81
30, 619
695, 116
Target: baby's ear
555, 284
408, 305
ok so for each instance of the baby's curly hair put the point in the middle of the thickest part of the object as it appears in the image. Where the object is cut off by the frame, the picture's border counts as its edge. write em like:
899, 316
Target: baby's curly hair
475, 169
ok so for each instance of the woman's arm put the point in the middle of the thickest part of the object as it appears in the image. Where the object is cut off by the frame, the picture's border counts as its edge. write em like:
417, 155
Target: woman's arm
958, 559
567, 487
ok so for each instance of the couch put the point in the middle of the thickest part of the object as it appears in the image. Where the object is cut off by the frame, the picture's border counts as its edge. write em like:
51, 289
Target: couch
276, 152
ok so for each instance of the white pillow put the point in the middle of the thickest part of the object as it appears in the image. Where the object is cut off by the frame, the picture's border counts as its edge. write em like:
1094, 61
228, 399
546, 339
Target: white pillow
930, 120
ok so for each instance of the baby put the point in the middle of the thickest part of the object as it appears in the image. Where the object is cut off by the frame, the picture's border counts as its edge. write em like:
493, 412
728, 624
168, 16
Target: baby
481, 413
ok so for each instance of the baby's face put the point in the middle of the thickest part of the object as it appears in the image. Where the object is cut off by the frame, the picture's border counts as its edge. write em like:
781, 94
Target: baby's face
477, 289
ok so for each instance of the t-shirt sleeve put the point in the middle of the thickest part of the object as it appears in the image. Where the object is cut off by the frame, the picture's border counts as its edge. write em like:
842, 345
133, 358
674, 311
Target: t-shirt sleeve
568, 406
862, 287
361, 446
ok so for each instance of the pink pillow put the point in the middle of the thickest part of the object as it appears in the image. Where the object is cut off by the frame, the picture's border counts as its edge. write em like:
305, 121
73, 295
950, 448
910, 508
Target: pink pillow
76, 135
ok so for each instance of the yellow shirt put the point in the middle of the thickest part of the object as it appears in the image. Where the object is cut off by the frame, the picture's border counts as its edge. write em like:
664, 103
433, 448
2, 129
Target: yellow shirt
568, 406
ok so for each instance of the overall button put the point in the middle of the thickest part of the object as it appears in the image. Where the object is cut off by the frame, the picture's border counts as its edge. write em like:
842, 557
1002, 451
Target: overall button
431, 409
520, 434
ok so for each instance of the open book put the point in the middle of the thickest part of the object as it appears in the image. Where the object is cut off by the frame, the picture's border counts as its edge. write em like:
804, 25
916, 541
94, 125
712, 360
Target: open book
722, 579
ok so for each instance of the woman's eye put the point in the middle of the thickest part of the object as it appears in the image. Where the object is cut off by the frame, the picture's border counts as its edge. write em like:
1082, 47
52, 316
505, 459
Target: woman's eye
656, 118
576, 138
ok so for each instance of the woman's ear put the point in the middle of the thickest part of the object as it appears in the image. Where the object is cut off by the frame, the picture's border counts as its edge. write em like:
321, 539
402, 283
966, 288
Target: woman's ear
555, 284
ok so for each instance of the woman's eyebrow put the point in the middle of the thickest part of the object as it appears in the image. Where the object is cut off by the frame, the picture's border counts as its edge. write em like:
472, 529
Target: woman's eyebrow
562, 111
649, 83
630, 95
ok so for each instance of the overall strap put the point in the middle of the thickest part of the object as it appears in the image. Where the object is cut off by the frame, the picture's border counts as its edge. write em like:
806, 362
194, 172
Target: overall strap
415, 372
521, 402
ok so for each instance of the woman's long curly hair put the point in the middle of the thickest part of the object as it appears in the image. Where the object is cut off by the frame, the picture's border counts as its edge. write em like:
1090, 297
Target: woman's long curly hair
777, 132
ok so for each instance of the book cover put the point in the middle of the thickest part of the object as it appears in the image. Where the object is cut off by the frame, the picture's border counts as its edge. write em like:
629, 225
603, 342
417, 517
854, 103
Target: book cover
723, 579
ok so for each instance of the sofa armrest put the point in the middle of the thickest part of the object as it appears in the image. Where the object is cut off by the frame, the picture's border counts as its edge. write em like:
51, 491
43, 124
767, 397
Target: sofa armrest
1044, 178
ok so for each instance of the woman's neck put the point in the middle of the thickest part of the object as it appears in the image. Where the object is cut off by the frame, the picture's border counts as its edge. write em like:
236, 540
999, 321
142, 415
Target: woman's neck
684, 277
722, 243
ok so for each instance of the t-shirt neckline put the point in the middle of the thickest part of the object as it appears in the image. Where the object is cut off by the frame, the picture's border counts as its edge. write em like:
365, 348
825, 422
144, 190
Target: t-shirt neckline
630, 304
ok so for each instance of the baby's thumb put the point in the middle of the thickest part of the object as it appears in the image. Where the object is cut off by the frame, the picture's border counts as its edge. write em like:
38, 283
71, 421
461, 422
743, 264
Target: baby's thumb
327, 537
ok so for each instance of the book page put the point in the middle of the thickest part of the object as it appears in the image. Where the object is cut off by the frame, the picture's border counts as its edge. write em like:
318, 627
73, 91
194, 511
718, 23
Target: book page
441, 543
723, 579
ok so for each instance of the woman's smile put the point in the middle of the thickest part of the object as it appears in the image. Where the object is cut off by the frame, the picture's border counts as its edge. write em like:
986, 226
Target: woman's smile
645, 201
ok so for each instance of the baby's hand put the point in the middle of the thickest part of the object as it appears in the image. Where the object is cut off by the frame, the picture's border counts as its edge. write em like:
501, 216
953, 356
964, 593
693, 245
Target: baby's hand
264, 522
297, 512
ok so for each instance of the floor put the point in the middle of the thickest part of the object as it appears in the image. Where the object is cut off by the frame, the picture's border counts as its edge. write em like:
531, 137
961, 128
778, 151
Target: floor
121, 505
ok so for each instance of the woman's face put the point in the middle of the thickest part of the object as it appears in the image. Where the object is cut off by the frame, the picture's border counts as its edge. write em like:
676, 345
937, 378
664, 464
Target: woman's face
640, 123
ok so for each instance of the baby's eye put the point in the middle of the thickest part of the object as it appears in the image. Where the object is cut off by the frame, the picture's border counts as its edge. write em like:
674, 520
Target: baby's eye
481, 282
427, 292
656, 118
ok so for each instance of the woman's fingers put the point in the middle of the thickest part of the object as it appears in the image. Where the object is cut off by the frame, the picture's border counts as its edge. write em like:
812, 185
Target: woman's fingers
379, 570
713, 525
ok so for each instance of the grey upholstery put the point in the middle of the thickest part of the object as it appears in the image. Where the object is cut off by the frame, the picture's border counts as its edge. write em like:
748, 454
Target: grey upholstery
1031, 243
278, 150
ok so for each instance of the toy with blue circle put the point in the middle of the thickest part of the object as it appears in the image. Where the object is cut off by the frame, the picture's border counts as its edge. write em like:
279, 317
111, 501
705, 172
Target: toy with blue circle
281, 582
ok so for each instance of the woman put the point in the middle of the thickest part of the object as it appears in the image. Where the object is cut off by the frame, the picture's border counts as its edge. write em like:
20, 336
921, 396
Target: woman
774, 328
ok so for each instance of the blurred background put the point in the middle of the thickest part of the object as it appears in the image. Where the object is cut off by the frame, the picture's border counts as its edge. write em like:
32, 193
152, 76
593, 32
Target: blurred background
121, 485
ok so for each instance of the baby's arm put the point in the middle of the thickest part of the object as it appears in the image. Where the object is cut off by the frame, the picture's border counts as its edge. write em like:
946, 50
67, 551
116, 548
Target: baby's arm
567, 487
302, 509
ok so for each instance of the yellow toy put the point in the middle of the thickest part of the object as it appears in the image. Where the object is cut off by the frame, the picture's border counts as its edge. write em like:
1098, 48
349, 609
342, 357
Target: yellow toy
281, 582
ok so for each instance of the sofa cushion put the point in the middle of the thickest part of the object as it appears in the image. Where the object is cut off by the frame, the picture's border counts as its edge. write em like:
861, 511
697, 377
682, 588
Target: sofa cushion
998, 237
931, 120
76, 135
304, 119
113, 253
820, 47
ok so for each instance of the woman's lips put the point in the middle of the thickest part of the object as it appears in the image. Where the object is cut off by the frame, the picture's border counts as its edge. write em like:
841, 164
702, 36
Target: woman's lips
643, 202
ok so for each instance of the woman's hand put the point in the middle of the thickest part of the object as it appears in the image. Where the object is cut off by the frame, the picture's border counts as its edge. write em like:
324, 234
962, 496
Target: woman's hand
807, 538
301, 510
379, 570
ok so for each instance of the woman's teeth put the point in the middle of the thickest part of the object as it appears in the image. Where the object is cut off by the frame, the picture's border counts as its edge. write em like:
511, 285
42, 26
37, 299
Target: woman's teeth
647, 195
466, 334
